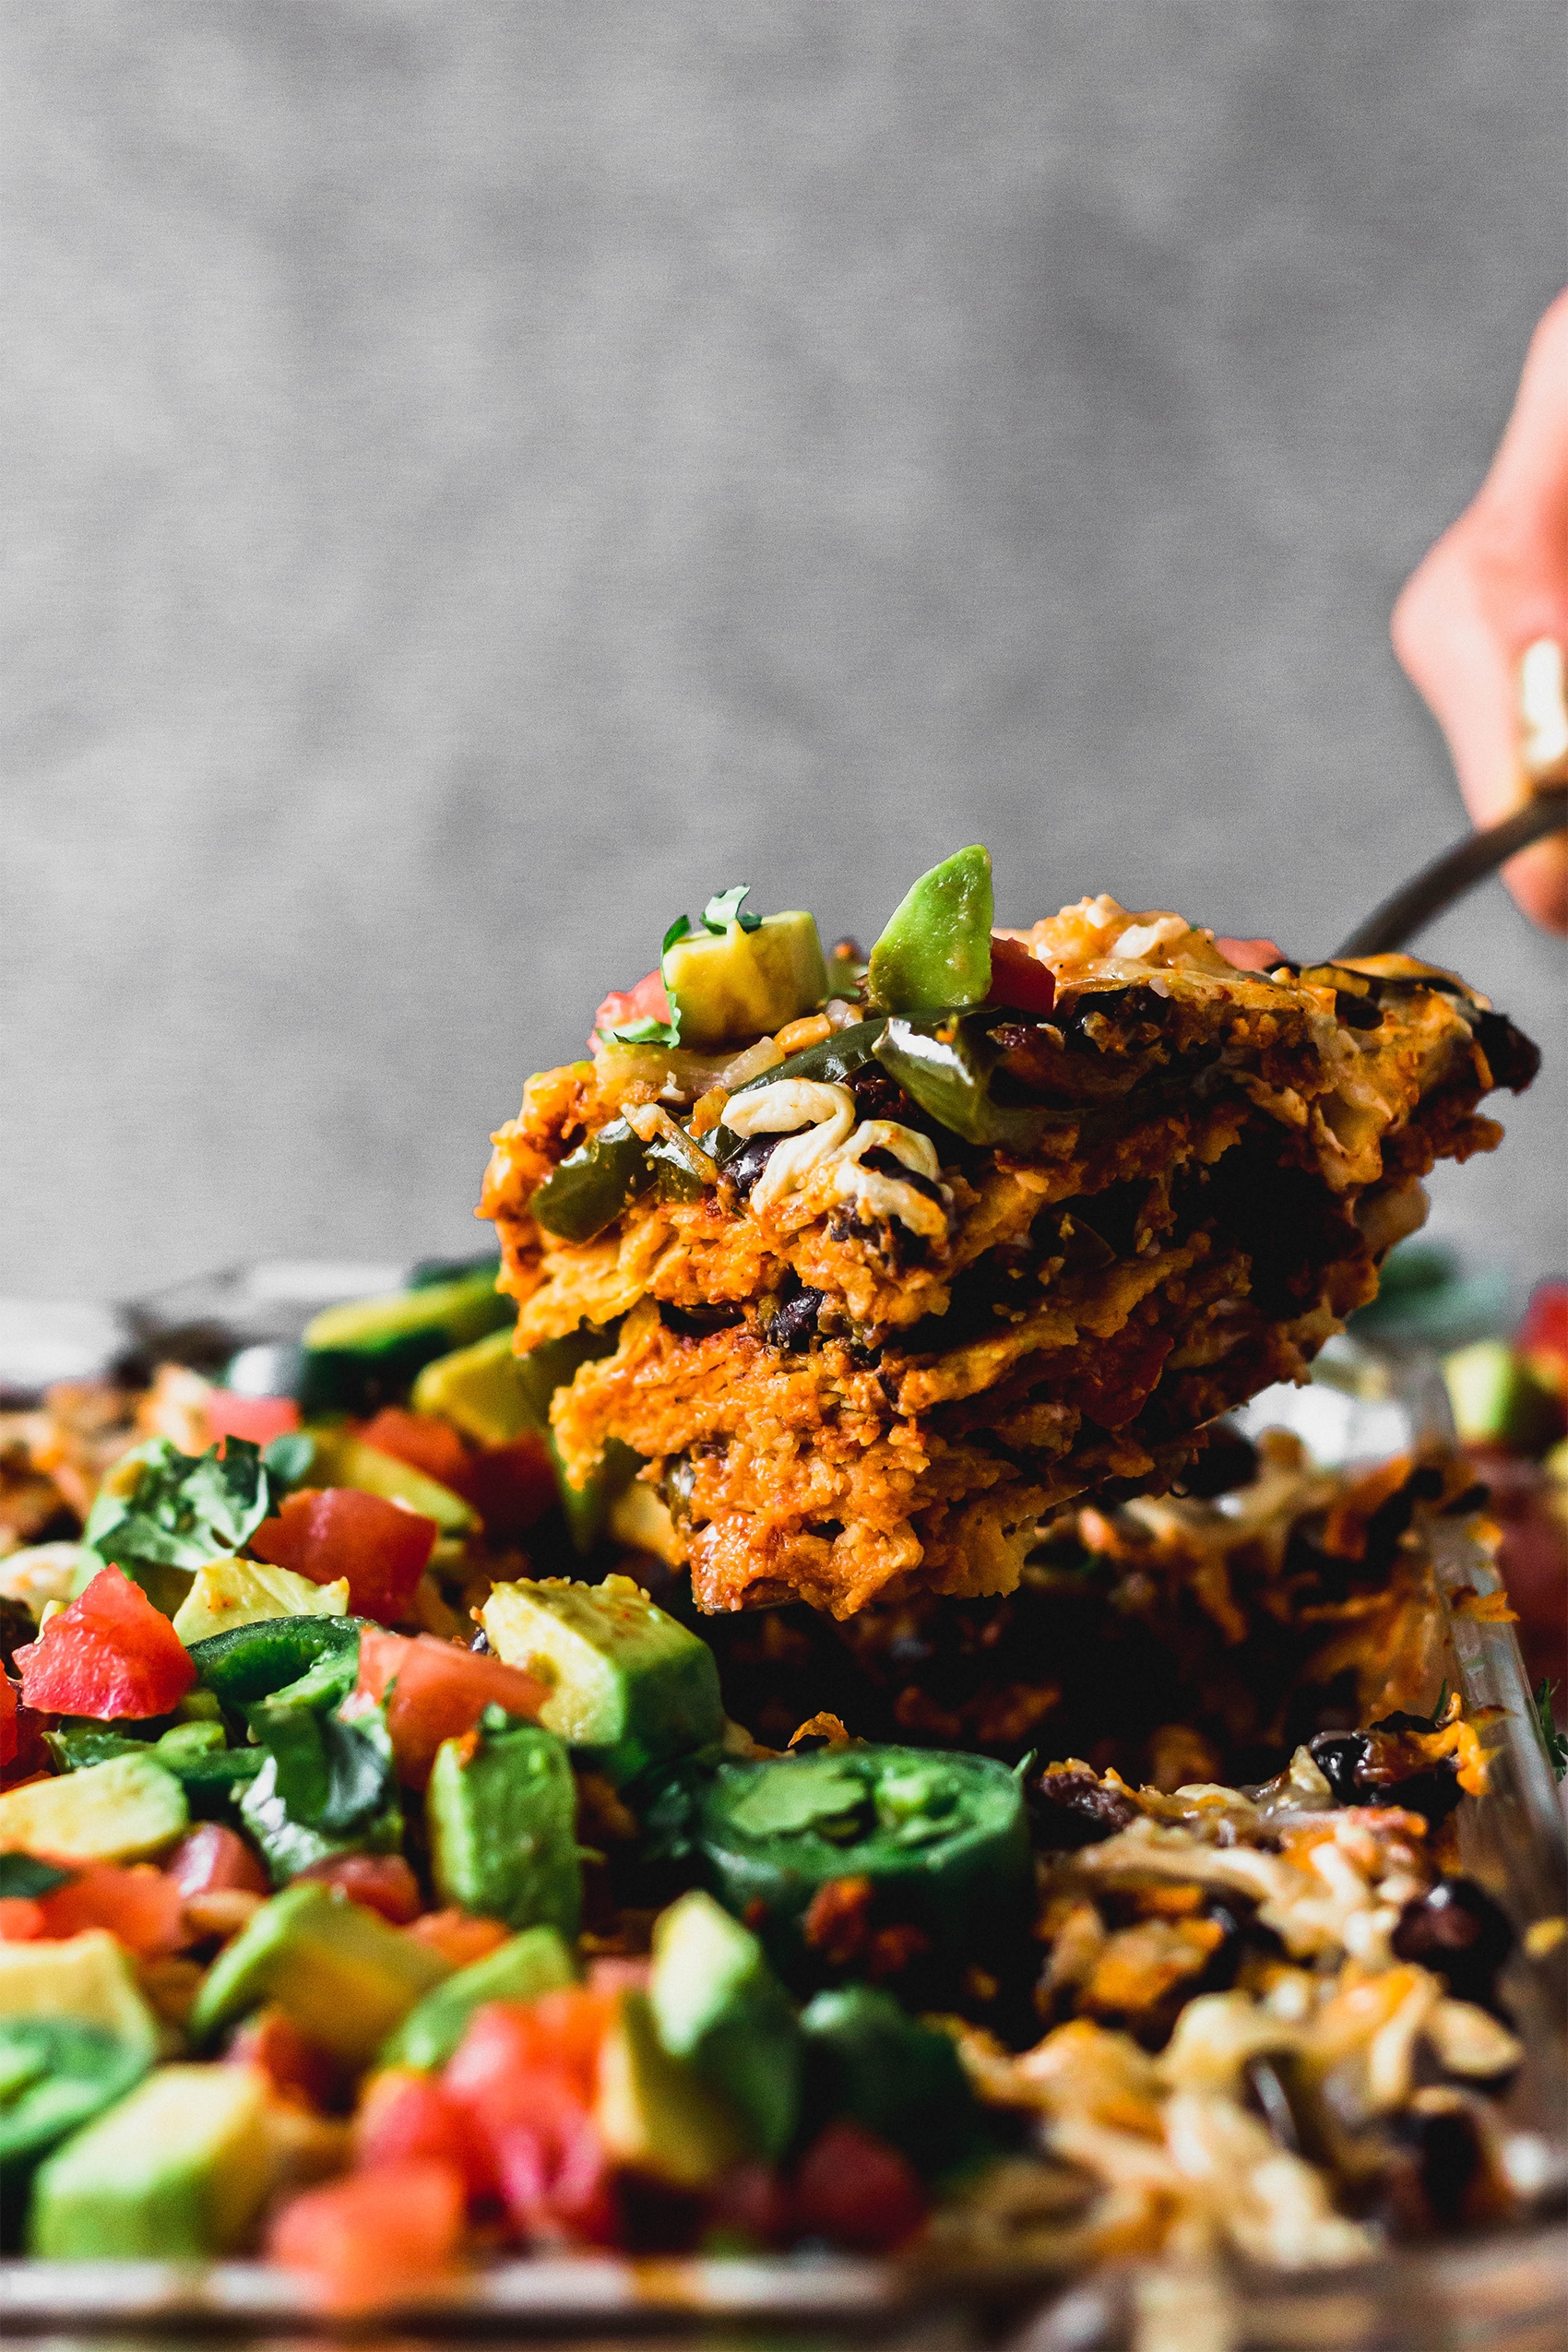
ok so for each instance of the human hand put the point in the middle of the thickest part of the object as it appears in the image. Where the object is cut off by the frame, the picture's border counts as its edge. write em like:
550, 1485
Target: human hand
1495, 584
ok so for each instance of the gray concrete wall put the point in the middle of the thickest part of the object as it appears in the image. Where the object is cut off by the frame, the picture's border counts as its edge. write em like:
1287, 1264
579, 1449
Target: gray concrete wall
480, 477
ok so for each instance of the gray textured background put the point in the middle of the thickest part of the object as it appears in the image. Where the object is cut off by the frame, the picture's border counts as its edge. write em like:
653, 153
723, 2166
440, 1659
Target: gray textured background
482, 475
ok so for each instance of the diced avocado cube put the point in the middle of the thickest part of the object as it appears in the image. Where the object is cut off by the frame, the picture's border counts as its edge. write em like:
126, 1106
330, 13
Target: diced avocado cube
343, 1460
718, 2004
739, 983
232, 1592
630, 1687
179, 2169
1499, 1398
535, 1962
654, 2112
869, 2059
366, 1351
118, 1812
477, 1389
343, 1976
501, 1810
86, 1980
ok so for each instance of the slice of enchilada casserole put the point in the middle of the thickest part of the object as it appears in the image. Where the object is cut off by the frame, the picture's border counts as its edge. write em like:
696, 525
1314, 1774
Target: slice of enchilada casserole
873, 1267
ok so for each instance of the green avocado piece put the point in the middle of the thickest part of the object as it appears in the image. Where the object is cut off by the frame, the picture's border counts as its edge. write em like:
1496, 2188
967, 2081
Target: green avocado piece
935, 954
179, 2169
1498, 1398
366, 1351
535, 1962
630, 1687
86, 1980
477, 1389
869, 2059
718, 2004
342, 1460
745, 981
344, 1976
654, 2112
120, 1811
501, 1810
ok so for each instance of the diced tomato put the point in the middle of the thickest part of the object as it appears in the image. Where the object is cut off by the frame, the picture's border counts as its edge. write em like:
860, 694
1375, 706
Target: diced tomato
1250, 955
135, 1902
614, 1975
382, 1882
649, 1000
298, 2067
108, 1655
374, 2234
21, 1919
257, 1418
1543, 1335
555, 2176
512, 1486
1018, 978
458, 1936
329, 1532
403, 2115
23, 1756
439, 1690
511, 2046
751, 2205
212, 1859
421, 1440
855, 2189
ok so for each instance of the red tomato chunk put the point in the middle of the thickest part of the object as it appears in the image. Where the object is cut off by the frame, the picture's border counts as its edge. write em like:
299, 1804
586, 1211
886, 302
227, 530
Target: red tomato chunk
382, 1882
329, 1532
109, 1655
138, 1903
211, 1859
299, 2068
405, 2116
649, 1000
257, 1418
854, 2189
375, 2233
1019, 979
421, 1440
439, 1690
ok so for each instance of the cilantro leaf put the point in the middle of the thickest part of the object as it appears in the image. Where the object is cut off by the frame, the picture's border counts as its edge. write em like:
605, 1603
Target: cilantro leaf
682, 928
1556, 1745
645, 1032
724, 909
23, 1874
184, 1508
330, 1775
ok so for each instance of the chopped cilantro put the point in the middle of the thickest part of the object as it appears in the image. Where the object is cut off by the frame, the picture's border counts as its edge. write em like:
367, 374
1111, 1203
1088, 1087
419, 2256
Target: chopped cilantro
24, 1874
1556, 1745
724, 909
186, 1508
330, 1775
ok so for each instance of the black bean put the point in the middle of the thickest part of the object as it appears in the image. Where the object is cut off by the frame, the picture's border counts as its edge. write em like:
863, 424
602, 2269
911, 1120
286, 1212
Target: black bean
1456, 1931
794, 1326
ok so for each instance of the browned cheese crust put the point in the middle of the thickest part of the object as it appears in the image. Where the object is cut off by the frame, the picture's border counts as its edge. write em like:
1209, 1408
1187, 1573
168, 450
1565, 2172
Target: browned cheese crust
1229, 1155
